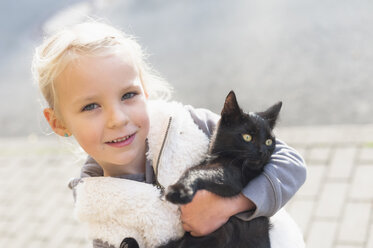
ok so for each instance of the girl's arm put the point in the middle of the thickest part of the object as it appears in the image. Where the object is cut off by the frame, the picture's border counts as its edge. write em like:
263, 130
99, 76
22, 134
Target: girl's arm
207, 211
282, 177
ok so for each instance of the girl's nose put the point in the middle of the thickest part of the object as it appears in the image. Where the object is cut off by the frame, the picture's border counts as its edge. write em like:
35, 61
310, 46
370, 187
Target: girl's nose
116, 118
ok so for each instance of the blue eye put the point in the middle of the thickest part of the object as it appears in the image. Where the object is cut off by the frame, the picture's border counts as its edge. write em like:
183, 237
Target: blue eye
128, 95
90, 107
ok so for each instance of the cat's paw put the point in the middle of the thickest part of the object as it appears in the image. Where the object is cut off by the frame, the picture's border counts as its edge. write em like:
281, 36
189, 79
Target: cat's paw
129, 243
179, 194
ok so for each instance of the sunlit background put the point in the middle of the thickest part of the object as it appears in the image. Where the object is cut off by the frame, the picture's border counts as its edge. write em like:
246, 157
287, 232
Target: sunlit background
314, 55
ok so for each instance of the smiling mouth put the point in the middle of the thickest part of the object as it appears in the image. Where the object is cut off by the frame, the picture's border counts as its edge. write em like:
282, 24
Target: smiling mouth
121, 139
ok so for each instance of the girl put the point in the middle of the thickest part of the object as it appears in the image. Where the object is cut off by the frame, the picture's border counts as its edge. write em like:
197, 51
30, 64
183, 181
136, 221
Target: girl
100, 90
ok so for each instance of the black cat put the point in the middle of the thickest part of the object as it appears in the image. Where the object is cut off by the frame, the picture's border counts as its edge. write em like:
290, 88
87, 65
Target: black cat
240, 148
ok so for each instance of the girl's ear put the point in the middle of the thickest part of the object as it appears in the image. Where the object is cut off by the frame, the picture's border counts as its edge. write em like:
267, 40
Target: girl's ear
56, 124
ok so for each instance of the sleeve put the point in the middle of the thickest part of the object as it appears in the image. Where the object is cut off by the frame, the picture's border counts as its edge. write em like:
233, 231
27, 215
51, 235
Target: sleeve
97, 243
205, 119
284, 174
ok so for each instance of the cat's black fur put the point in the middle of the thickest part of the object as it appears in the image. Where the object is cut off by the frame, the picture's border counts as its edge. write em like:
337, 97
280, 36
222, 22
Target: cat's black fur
231, 163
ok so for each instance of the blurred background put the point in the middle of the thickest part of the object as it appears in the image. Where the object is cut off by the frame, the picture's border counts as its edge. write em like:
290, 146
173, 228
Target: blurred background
314, 55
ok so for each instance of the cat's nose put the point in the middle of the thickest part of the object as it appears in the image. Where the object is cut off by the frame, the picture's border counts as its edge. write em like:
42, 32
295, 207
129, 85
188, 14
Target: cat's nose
263, 152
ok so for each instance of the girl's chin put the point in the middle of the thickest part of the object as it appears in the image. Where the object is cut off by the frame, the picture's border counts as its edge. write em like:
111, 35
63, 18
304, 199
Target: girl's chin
121, 165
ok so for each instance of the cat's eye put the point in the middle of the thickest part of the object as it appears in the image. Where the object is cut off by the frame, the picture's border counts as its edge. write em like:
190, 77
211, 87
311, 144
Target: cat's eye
269, 142
247, 137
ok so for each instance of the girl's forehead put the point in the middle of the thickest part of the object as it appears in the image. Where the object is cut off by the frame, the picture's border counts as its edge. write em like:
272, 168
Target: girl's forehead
88, 71
115, 58
99, 66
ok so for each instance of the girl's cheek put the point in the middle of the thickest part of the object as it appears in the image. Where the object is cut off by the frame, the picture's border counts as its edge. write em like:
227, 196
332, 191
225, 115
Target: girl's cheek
86, 132
147, 124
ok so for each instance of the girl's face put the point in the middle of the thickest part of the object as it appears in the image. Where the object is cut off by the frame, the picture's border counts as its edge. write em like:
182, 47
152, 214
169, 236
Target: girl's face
102, 103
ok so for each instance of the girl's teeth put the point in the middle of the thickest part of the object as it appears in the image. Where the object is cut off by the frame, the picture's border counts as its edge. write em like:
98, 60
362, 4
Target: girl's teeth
120, 140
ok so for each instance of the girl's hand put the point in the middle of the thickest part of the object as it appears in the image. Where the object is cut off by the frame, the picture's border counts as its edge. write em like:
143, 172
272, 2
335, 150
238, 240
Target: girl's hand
207, 212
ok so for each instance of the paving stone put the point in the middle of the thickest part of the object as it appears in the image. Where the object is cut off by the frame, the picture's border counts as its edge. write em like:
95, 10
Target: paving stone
301, 211
331, 200
320, 154
355, 222
6, 241
366, 154
61, 235
349, 134
315, 176
75, 245
370, 237
38, 176
322, 234
349, 246
342, 162
362, 183
36, 244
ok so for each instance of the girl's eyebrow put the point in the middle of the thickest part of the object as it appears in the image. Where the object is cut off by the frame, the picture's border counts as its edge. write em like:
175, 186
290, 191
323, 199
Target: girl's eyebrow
79, 101
92, 98
131, 87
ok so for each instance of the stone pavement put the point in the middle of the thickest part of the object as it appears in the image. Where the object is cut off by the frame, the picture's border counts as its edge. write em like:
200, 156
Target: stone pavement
333, 208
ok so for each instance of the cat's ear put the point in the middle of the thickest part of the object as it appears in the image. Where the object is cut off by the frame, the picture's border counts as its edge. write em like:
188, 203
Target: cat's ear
271, 114
231, 110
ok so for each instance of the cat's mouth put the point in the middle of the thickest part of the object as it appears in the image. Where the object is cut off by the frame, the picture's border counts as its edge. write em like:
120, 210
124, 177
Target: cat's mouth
253, 163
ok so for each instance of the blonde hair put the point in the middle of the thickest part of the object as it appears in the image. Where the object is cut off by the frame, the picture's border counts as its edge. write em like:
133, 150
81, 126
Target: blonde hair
90, 38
